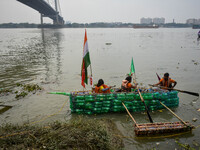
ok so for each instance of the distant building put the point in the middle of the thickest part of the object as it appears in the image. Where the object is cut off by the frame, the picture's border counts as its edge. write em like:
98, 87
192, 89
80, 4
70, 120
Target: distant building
159, 20
193, 21
68, 22
146, 20
154, 20
117, 23
198, 21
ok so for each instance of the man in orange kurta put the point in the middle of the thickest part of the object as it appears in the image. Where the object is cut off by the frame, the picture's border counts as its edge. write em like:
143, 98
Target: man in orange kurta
167, 82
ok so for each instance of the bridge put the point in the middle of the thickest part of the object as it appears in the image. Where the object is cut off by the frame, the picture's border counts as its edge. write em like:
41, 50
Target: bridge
45, 10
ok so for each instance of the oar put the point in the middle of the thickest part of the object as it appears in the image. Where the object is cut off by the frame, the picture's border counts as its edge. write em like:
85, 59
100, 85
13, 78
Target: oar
188, 92
150, 119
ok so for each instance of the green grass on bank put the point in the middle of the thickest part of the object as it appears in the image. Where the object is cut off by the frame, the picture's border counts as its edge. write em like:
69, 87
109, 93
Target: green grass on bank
78, 133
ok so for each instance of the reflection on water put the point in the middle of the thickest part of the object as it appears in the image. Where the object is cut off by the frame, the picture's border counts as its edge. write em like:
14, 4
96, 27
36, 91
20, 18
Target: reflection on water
25, 60
52, 58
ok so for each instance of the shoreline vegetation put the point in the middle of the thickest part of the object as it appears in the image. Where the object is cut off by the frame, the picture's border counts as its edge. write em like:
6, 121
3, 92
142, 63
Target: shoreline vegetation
79, 133
90, 25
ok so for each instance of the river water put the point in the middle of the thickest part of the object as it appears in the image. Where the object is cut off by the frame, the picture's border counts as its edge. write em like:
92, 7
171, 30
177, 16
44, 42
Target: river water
52, 59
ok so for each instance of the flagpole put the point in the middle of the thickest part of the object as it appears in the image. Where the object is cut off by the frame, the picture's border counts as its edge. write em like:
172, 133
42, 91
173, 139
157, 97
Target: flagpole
91, 76
91, 69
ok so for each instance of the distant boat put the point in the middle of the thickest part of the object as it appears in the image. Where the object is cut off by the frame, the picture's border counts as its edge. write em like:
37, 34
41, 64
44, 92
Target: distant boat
145, 26
196, 27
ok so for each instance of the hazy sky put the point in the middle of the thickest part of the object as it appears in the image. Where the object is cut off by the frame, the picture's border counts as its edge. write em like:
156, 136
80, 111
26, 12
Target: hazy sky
87, 11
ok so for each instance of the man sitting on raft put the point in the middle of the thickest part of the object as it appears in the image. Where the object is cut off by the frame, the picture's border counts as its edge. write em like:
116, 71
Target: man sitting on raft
101, 87
166, 82
126, 85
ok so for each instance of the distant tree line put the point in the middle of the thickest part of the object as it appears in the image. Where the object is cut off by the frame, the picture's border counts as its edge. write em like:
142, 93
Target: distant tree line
18, 25
89, 25
100, 25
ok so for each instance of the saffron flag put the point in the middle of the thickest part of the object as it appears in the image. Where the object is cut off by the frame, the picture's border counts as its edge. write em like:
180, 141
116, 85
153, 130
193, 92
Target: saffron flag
86, 62
132, 69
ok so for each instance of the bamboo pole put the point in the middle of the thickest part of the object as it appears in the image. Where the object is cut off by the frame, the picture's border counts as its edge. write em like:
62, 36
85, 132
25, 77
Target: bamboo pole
174, 114
130, 114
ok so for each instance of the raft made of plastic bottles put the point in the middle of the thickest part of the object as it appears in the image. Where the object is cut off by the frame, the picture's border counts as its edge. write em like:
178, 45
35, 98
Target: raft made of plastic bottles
91, 103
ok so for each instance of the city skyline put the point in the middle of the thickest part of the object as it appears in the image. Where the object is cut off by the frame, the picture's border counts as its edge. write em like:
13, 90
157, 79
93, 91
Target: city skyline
88, 11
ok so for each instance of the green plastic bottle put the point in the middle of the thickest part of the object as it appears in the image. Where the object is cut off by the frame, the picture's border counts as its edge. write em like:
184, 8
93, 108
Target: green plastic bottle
117, 107
98, 104
89, 98
142, 108
116, 110
106, 108
117, 101
134, 109
100, 97
79, 97
154, 102
137, 97
110, 95
88, 112
107, 102
128, 103
79, 111
96, 109
88, 106
136, 103
130, 96
121, 96
147, 102
164, 96
79, 101
80, 104
152, 108
106, 105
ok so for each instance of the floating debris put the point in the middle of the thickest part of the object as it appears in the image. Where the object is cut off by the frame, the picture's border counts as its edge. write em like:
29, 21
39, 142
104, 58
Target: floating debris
4, 108
21, 90
194, 119
5, 92
31, 87
195, 62
20, 95
195, 143
185, 146
26, 88
108, 43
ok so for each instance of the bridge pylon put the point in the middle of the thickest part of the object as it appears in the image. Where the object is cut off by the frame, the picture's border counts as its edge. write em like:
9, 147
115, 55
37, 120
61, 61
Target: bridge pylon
45, 10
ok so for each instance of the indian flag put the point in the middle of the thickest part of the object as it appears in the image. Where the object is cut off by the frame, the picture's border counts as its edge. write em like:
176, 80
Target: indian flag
86, 62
